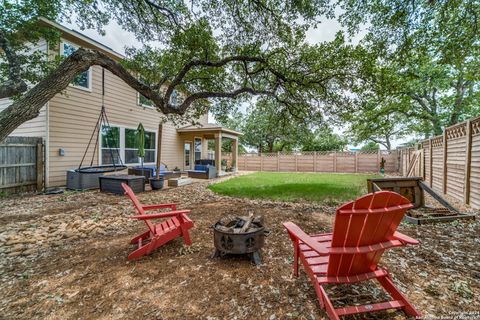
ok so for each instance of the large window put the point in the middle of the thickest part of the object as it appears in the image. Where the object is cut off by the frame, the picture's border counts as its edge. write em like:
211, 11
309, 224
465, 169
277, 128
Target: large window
131, 146
198, 149
110, 145
186, 154
122, 142
83, 80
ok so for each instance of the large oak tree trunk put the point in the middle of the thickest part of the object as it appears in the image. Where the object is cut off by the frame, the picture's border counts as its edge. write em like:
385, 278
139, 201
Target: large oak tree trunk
28, 106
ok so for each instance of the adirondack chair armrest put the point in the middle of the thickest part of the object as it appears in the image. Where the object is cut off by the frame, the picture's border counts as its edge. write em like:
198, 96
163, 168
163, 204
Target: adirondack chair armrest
298, 234
365, 249
172, 206
160, 215
404, 238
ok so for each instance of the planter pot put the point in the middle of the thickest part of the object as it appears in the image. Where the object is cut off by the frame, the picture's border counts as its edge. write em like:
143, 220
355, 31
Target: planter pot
157, 184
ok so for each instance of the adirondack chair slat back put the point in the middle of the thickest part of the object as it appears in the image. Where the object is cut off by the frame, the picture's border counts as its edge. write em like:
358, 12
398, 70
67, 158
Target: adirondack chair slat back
369, 220
129, 192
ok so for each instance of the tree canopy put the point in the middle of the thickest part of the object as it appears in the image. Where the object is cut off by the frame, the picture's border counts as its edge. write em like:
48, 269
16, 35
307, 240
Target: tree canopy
214, 52
427, 63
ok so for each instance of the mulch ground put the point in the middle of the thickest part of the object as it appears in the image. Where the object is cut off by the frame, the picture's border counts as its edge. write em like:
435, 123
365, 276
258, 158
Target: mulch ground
64, 257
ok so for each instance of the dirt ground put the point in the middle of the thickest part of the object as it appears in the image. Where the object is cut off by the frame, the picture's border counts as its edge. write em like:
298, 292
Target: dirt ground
64, 257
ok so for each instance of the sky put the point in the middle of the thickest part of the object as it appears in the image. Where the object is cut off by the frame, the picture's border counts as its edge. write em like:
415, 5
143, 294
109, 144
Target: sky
118, 39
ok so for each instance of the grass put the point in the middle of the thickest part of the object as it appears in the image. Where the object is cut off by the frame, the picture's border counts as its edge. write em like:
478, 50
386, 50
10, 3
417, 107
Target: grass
315, 187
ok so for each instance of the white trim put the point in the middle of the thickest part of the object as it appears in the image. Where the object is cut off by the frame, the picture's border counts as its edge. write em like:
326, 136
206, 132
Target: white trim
47, 145
183, 151
122, 145
89, 71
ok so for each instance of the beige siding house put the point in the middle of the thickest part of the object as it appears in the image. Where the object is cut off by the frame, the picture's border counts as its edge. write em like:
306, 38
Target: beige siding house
67, 121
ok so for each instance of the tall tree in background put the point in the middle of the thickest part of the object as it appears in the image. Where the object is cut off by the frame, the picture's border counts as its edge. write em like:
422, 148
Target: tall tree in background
267, 127
428, 57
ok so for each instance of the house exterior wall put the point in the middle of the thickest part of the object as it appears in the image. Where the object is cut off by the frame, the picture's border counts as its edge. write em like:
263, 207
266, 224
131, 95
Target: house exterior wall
68, 120
36, 127
74, 113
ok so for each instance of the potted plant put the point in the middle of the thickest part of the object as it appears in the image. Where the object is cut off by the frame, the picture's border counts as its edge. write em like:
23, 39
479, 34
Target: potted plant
156, 182
224, 164
382, 166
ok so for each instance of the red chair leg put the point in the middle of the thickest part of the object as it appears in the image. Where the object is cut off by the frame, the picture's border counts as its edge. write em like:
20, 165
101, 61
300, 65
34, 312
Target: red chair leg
390, 287
296, 250
186, 236
142, 236
327, 305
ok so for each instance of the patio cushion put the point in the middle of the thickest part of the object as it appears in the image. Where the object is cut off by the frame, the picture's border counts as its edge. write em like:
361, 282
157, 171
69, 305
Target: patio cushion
201, 167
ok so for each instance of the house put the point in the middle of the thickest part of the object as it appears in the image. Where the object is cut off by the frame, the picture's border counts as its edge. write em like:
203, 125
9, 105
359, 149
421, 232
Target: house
67, 121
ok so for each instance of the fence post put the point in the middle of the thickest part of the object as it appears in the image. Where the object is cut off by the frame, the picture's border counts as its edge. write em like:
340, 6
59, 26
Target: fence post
378, 160
261, 161
445, 161
356, 162
335, 161
430, 161
278, 161
468, 162
39, 167
314, 161
296, 163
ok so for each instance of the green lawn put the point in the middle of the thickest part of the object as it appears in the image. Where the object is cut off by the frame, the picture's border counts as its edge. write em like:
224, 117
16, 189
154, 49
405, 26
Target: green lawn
316, 187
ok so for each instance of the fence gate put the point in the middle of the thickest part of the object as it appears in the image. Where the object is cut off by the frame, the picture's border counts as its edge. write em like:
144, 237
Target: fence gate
21, 164
415, 166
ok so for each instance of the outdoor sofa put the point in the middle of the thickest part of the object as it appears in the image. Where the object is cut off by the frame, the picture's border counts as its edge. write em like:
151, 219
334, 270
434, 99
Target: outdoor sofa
150, 171
203, 171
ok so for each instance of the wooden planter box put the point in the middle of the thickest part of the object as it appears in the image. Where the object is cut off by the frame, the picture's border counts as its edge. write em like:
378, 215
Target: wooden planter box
147, 173
113, 183
177, 182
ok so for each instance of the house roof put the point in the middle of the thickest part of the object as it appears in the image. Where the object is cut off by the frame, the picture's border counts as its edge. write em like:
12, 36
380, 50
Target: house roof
82, 39
209, 127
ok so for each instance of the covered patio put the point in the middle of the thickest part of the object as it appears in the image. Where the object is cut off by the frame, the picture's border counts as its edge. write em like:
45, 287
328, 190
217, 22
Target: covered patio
198, 136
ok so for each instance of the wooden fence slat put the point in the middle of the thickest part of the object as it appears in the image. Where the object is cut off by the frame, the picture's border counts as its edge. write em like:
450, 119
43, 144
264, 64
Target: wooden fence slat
21, 164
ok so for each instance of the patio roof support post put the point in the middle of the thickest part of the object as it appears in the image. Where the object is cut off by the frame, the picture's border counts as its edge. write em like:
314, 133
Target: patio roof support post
218, 152
234, 154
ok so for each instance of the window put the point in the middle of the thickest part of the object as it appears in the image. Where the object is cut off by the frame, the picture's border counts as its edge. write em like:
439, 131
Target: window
121, 143
110, 145
144, 101
198, 149
83, 80
131, 146
174, 98
186, 149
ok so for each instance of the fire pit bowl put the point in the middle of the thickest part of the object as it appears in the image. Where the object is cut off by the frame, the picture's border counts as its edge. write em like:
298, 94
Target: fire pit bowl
239, 235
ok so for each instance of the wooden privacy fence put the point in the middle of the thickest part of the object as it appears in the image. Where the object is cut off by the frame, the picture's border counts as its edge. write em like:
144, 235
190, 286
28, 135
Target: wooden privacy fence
21, 164
322, 161
449, 163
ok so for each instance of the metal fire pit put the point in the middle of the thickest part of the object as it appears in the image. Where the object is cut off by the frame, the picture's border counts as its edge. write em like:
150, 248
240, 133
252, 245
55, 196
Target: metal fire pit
234, 242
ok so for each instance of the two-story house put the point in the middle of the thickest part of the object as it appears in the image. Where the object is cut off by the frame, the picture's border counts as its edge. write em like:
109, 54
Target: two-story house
67, 121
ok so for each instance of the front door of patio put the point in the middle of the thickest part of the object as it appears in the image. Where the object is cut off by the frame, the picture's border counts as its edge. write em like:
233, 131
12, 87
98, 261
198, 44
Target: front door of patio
187, 155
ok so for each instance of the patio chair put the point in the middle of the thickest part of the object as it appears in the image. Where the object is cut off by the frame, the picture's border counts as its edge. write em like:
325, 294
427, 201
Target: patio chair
177, 225
363, 230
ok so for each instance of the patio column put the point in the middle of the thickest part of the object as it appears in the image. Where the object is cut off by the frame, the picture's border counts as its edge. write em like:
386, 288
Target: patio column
235, 153
218, 152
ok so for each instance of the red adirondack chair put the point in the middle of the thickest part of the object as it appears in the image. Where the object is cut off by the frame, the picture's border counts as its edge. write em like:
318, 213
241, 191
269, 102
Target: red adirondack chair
363, 229
157, 235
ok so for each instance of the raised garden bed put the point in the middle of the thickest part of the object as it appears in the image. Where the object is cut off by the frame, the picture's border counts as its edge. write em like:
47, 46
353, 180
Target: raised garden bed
413, 188
113, 184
